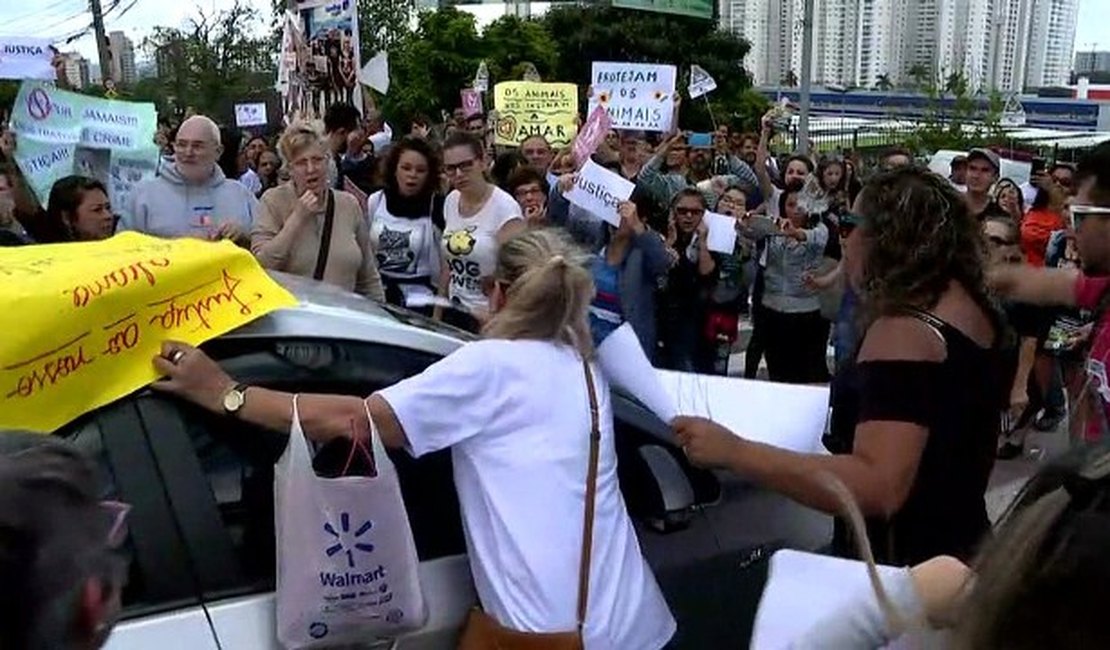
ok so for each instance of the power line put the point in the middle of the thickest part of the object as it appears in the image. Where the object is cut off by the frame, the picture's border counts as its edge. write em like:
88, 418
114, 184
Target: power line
54, 9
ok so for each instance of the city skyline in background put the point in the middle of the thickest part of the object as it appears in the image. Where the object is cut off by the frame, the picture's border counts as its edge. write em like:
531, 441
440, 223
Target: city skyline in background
1010, 45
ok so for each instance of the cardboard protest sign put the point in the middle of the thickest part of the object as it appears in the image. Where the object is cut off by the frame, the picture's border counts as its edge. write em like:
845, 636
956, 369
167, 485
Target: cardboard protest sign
27, 58
252, 114
700, 82
84, 320
526, 109
638, 96
599, 191
481, 78
59, 133
593, 132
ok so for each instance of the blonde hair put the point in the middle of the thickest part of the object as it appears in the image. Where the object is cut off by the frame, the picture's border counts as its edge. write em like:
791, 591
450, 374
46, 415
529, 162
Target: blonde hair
548, 291
299, 136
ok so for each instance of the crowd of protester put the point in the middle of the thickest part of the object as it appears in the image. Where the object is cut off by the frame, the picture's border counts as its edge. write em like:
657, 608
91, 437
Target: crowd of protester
900, 269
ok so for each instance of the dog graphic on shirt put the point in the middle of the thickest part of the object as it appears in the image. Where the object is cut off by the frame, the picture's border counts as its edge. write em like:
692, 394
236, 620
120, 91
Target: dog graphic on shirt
460, 243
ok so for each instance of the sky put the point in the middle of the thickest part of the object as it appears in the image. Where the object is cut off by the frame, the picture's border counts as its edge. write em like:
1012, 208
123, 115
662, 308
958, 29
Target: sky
48, 19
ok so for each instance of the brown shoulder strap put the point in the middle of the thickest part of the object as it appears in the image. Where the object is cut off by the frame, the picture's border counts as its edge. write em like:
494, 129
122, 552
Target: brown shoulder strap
591, 494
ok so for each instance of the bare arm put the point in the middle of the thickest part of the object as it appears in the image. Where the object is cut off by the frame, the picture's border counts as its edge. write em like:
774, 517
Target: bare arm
1035, 286
762, 153
369, 280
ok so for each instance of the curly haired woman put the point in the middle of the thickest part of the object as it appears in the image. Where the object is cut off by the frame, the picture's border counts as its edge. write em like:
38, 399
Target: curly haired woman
916, 432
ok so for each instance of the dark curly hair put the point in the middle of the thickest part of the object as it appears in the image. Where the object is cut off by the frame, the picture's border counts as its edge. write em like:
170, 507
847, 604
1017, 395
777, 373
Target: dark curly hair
921, 237
393, 161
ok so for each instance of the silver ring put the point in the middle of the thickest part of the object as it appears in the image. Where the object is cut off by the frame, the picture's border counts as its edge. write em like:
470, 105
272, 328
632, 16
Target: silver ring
177, 356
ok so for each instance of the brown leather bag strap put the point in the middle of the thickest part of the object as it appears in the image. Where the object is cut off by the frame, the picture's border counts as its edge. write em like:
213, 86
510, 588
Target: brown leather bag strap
591, 494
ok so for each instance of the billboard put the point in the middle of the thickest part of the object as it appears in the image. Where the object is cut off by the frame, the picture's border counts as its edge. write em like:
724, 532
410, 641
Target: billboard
694, 8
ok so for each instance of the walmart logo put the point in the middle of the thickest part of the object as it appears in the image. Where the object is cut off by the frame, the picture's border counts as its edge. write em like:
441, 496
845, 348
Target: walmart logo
346, 541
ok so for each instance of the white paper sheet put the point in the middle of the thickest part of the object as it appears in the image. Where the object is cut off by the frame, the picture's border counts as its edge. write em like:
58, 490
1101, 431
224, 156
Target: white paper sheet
785, 415
625, 365
722, 233
804, 589
600, 191
24, 57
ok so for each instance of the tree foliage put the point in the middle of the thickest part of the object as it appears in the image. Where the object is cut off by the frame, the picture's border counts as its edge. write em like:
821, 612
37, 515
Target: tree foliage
209, 64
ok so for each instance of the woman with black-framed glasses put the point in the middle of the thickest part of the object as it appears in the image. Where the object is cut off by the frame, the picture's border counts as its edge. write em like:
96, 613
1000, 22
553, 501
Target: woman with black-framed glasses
478, 218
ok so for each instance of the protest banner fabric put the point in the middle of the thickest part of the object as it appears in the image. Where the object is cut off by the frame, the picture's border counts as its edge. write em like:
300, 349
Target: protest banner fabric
27, 58
319, 64
638, 96
83, 321
527, 108
593, 132
599, 191
62, 133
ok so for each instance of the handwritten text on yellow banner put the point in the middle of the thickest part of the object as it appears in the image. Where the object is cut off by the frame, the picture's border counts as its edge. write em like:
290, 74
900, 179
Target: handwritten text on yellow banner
526, 108
81, 322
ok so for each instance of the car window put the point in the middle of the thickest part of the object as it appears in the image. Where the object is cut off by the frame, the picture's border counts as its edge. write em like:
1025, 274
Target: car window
238, 460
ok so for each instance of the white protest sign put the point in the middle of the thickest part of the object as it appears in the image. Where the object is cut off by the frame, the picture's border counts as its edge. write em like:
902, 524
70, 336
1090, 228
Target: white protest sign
789, 416
253, 114
700, 82
26, 58
638, 96
599, 191
722, 233
376, 73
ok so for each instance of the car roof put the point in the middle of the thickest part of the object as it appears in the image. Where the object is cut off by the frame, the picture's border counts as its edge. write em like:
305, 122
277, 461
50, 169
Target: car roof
326, 311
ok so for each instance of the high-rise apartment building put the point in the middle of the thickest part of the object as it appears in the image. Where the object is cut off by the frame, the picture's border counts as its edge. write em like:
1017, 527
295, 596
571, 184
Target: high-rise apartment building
1051, 42
751, 19
1087, 62
123, 59
1011, 45
76, 70
835, 37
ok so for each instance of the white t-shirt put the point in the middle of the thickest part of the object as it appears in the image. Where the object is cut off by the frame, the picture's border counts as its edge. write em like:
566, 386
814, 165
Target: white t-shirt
470, 246
516, 416
405, 249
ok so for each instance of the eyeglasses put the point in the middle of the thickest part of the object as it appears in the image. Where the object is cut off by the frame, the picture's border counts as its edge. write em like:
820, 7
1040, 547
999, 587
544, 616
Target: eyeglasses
689, 212
1079, 213
459, 168
1000, 241
527, 190
117, 511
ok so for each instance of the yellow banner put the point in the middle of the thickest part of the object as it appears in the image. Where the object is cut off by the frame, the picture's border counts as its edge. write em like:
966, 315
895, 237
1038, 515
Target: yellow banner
81, 322
526, 108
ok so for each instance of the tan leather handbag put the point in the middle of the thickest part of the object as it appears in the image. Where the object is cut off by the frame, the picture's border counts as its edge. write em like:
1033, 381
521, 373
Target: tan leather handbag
482, 632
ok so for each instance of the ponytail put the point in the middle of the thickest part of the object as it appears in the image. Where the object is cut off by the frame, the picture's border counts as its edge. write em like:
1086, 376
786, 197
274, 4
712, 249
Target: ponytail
548, 291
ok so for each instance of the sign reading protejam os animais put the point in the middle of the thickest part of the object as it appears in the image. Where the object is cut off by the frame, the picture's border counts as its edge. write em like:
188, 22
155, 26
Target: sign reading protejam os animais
82, 322
528, 108
638, 96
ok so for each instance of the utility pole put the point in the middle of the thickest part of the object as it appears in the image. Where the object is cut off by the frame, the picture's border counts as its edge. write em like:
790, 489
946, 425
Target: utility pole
101, 41
807, 76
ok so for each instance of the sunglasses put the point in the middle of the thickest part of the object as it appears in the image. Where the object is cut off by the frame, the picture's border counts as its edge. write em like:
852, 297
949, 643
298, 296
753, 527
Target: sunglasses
689, 212
1079, 213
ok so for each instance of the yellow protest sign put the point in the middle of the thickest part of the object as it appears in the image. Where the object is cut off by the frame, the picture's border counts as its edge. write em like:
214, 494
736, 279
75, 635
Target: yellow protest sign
82, 322
527, 108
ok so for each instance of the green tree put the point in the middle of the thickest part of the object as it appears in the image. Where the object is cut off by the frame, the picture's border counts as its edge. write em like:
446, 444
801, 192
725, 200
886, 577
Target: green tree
210, 63
510, 42
919, 74
383, 24
790, 79
429, 66
882, 83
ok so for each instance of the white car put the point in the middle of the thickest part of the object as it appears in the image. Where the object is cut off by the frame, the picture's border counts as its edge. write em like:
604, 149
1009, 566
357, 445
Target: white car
201, 538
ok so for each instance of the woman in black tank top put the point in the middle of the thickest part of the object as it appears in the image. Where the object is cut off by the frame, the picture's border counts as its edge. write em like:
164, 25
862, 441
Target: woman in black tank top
916, 422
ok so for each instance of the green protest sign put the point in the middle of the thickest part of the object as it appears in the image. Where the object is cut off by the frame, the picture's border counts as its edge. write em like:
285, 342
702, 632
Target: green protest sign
695, 8
59, 133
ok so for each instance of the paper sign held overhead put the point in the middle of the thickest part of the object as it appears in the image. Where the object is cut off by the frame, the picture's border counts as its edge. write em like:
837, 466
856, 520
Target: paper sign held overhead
722, 233
376, 73
27, 58
593, 132
700, 82
83, 321
600, 191
638, 96
526, 109
252, 114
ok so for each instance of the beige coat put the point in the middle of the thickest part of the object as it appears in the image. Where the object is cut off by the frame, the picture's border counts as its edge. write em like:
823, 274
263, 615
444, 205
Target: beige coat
351, 264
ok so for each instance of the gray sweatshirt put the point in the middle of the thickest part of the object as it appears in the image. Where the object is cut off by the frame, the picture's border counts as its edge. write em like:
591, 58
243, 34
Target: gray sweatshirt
168, 206
786, 261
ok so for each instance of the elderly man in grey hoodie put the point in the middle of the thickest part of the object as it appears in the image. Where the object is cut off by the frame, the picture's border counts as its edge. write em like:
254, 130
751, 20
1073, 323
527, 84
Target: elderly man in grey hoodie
191, 197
